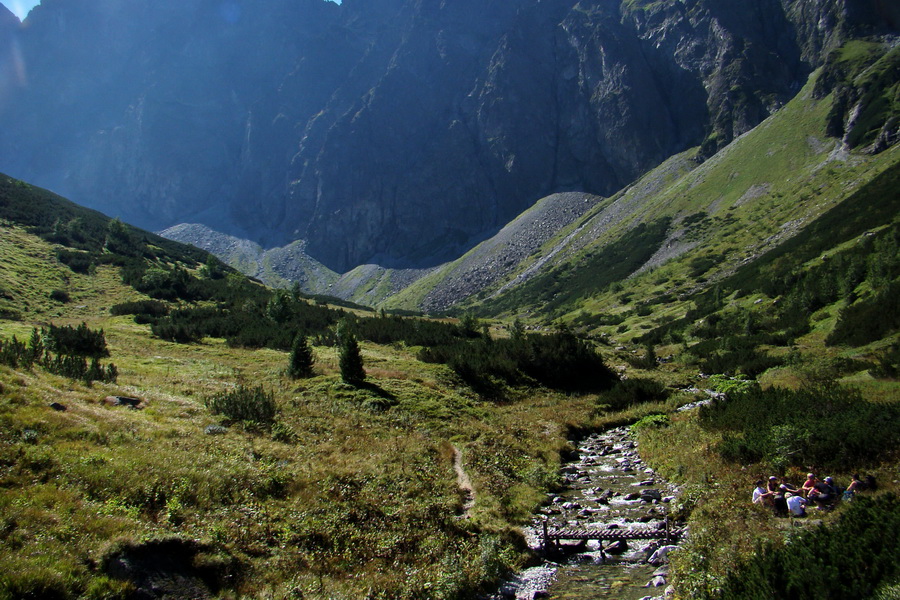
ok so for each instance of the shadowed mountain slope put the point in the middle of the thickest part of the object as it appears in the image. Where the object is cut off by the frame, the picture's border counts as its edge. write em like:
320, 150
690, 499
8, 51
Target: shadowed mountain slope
391, 132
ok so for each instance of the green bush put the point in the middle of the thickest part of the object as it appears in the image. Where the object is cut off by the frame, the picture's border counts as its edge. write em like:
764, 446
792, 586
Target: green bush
71, 363
827, 425
887, 363
245, 404
182, 333
748, 361
560, 361
146, 308
283, 433
869, 319
632, 391
75, 341
729, 385
850, 559
647, 360
656, 421
61, 296
77, 367
14, 353
77, 261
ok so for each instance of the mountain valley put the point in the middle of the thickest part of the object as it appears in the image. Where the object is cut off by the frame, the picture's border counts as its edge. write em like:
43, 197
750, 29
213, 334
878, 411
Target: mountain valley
410, 257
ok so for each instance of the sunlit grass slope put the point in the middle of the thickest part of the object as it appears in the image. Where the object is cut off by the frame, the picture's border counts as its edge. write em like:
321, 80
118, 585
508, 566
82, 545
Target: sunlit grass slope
351, 492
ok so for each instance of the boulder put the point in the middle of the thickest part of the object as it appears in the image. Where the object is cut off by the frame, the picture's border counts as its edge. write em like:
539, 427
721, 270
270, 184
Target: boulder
661, 556
650, 495
122, 401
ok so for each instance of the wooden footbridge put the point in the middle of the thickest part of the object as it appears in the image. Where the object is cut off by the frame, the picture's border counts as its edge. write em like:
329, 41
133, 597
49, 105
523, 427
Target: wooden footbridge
663, 532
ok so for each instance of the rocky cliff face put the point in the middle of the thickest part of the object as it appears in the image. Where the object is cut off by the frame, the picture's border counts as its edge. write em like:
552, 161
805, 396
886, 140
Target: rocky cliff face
151, 110
396, 132
8, 22
10, 74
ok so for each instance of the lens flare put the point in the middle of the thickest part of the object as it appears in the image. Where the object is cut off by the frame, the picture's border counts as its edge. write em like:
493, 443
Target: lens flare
13, 74
20, 8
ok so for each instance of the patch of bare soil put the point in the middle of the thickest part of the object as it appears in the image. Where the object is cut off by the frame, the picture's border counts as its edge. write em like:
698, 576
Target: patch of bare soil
464, 483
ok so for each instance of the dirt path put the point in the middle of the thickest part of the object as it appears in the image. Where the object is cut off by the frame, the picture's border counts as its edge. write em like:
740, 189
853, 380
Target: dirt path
464, 483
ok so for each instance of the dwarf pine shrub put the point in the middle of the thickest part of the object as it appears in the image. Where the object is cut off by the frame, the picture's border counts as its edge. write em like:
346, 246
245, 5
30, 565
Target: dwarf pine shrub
147, 308
75, 341
633, 391
847, 560
827, 425
71, 364
244, 404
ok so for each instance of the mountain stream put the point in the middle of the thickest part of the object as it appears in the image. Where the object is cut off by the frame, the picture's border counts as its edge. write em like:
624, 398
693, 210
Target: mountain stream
607, 487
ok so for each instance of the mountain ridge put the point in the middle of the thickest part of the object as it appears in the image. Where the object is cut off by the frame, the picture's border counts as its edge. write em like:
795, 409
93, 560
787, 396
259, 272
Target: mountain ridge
450, 133
532, 245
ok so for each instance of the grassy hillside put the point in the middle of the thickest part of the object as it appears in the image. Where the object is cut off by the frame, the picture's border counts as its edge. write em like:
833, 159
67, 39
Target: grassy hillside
349, 491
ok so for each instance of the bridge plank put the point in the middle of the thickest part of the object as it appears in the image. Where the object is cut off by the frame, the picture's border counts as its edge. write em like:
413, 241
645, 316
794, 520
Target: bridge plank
611, 534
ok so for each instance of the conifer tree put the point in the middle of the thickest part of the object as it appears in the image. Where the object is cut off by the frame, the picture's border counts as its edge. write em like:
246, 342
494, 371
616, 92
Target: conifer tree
349, 357
301, 361
36, 345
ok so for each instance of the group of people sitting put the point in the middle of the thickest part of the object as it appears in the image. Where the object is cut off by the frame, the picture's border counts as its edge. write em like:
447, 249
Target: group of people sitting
786, 499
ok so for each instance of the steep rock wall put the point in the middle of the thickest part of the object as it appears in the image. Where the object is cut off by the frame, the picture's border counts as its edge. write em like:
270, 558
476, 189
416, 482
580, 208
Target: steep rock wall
396, 132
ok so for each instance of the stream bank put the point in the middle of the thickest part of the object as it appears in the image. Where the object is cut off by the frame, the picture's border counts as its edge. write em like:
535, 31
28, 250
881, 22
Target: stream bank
607, 487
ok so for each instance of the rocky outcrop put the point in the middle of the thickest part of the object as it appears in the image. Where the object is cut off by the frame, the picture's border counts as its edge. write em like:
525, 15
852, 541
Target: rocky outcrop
286, 266
864, 112
496, 259
276, 267
390, 132
8, 22
11, 76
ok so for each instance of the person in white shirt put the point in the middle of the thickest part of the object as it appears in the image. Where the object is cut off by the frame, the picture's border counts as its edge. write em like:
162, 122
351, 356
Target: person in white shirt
796, 504
761, 495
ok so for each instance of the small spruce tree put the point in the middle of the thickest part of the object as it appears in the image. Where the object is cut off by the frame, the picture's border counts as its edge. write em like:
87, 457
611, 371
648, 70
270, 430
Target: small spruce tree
349, 357
301, 361
649, 357
36, 346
